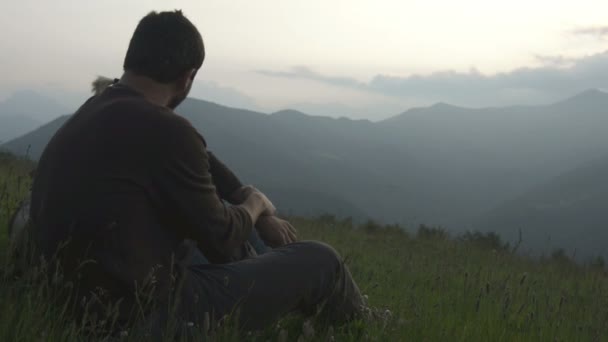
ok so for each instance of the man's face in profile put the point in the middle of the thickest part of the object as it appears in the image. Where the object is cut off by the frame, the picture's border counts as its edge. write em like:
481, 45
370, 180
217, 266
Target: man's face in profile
179, 97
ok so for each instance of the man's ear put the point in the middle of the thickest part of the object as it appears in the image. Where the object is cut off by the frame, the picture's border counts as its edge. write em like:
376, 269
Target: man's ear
185, 81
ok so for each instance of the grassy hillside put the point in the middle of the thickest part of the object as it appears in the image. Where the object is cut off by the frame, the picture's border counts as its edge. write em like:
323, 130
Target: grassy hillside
437, 288
14, 185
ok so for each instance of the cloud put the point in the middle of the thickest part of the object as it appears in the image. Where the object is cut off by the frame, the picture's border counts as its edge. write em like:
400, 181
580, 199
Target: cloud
227, 96
303, 72
558, 77
373, 111
597, 31
558, 60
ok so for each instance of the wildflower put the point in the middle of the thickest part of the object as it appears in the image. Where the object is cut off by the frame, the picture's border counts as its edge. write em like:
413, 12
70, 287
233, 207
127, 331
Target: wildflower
330, 331
283, 336
83, 301
308, 330
206, 323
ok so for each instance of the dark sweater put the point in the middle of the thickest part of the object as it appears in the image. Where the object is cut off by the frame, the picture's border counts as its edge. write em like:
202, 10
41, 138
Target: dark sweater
125, 182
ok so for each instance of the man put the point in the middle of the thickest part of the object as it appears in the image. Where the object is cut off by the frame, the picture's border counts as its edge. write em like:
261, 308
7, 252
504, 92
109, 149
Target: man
126, 184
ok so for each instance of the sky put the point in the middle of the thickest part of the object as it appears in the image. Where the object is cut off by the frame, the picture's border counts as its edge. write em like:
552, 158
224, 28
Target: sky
361, 59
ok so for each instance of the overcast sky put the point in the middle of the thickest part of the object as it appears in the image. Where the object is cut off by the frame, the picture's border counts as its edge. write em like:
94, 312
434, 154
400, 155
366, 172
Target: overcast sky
370, 59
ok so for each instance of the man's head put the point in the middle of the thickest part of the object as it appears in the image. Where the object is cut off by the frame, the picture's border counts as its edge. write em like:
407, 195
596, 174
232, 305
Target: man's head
166, 48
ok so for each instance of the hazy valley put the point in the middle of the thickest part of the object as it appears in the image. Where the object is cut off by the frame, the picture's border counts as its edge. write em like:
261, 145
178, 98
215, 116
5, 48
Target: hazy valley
535, 169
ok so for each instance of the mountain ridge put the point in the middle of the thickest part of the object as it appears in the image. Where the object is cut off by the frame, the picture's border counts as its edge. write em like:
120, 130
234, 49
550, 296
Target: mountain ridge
446, 169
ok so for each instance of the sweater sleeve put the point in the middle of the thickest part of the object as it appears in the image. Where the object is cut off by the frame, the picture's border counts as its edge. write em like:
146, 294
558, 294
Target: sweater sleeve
224, 179
191, 196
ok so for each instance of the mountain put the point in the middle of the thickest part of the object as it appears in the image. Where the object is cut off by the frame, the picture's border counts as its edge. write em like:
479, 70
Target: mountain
251, 144
33, 143
24, 111
475, 159
289, 155
32, 104
12, 126
567, 212
442, 165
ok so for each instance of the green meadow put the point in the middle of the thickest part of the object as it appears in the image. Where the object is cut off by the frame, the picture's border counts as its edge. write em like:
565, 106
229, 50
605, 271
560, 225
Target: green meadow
425, 285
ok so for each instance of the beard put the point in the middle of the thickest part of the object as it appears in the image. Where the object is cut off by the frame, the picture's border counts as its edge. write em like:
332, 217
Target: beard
177, 100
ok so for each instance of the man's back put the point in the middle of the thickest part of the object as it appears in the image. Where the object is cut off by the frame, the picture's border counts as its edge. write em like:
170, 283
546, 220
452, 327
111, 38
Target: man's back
121, 186
96, 190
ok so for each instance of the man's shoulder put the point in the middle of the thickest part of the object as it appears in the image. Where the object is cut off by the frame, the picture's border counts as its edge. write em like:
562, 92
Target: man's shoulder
137, 107
131, 105
173, 125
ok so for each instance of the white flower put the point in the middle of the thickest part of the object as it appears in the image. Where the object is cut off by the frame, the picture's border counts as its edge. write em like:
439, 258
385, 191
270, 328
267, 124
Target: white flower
308, 330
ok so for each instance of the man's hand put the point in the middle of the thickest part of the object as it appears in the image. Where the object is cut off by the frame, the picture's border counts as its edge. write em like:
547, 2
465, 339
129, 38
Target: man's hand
249, 192
243, 193
275, 232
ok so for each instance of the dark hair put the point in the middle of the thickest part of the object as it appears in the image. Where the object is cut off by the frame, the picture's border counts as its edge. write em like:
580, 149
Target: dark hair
164, 46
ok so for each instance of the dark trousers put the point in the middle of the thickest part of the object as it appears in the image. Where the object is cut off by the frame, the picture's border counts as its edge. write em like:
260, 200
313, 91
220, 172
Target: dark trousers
306, 277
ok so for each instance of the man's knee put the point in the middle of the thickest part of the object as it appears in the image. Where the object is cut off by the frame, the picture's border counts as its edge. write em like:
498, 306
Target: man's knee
321, 254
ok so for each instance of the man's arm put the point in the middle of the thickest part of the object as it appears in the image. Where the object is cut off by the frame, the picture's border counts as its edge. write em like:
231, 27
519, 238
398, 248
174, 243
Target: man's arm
227, 183
188, 190
228, 186
274, 231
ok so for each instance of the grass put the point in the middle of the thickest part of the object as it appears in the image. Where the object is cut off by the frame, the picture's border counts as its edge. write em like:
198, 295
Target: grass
14, 185
438, 289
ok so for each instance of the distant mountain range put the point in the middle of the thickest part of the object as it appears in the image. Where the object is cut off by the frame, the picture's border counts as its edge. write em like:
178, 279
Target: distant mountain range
569, 211
25, 111
457, 167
